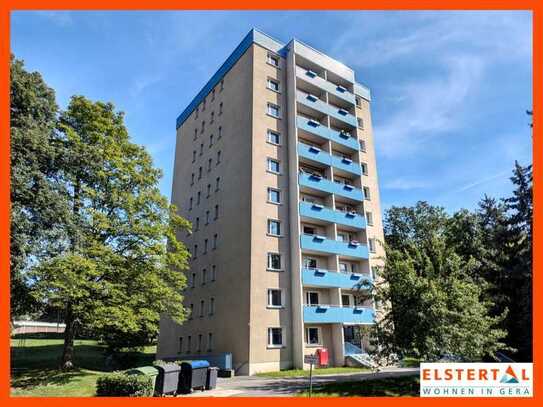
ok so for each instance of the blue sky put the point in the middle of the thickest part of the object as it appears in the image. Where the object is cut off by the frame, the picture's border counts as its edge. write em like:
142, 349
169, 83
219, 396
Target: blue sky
450, 89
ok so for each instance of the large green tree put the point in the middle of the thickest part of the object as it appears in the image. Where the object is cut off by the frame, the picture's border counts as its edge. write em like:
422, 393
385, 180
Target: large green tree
122, 264
37, 203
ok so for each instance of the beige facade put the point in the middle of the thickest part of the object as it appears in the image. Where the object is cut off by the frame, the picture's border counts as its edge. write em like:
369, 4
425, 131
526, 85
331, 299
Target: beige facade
270, 282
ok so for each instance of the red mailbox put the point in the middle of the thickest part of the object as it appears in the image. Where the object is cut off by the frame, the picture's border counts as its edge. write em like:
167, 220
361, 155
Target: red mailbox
322, 356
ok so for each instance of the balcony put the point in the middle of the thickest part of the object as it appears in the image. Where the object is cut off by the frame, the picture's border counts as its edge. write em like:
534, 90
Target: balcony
314, 127
325, 185
318, 155
314, 79
321, 244
327, 278
316, 211
334, 314
323, 107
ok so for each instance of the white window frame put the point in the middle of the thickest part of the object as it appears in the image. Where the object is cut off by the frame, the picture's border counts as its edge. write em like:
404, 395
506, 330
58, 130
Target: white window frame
364, 168
276, 133
269, 113
351, 300
369, 218
371, 245
308, 298
273, 60
279, 226
367, 194
268, 195
268, 262
271, 83
360, 123
270, 160
319, 336
271, 345
281, 296
307, 258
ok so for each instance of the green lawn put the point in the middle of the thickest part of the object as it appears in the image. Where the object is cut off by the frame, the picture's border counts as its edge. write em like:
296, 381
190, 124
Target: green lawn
35, 367
320, 371
406, 386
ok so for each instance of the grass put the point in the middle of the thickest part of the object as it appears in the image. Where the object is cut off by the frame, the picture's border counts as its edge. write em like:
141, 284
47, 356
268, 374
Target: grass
35, 360
410, 362
319, 371
405, 386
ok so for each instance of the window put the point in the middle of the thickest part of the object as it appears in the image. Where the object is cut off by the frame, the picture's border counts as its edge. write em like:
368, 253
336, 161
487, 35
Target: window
274, 196
194, 156
273, 60
346, 300
222, 85
274, 227
374, 272
207, 216
204, 105
213, 272
198, 198
213, 95
203, 126
205, 246
192, 179
191, 307
275, 337
193, 280
369, 218
273, 166
358, 101
180, 345
201, 148
362, 145
190, 203
273, 85
371, 245
211, 306
212, 117
364, 168
312, 298
217, 183
204, 276
273, 137
218, 157
367, 194
200, 173
197, 224
189, 344
343, 267
220, 132
308, 230
360, 123
310, 263
275, 298
197, 111
273, 110
215, 238
274, 261
208, 191
312, 336
195, 134
220, 108
211, 140
209, 342
195, 253
202, 308
199, 349
209, 164
216, 212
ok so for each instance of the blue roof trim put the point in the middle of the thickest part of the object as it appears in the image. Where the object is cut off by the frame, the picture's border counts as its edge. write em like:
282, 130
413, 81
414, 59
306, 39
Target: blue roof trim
254, 36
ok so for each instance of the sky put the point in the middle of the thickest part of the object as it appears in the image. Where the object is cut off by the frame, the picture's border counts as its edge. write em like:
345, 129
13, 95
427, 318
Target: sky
450, 90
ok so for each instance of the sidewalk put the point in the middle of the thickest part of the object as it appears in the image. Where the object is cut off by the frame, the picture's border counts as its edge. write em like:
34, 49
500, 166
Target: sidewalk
253, 386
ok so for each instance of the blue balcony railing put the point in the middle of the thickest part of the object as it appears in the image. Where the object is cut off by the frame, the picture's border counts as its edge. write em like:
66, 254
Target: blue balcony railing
320, 130
325, 185
316, 211
313, 78
333, 314
323, 107
321, 244
327, 278
318, 155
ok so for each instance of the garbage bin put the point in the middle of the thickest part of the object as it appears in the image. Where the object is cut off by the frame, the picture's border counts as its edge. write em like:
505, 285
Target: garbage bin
322, 356
167, 379
193, 375
211, 380
145, 371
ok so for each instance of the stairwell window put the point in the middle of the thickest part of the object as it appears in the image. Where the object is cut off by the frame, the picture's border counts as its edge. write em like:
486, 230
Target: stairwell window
208, 191
202, 308
369, 218
220, 132
194, 156
212, 117
222, 85
362, 145
274, 227
274, 196
197, 224
360, 123
273, 166
210, 140
212, 306
191, 307
205, 246
204, 276
193, 280
207, 215
274, 262
213, 273
192, 179
210, 342
273, 85
367, 194
201, 148
218, 157
217, 183
371, 245
190, 204
195, 251
215, 238
220, 108
312, 336
275, 298
216, 212
273, 110
364, 168
198, 198
200, 173
209, 165
273, 60
374, 272
358, 102
273, 137
195, 134
275, 337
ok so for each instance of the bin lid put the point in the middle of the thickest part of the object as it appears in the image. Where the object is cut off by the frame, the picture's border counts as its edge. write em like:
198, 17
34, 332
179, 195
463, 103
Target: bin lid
169, 367
195, 364
144, 370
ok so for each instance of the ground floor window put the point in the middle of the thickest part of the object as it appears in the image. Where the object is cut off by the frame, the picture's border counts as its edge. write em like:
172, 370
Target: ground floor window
275, 337
312, 336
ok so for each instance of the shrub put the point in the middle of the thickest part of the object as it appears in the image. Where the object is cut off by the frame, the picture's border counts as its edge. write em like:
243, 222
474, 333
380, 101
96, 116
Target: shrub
122, 385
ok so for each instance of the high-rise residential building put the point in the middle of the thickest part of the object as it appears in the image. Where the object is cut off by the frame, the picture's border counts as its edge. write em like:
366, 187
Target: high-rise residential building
275, 168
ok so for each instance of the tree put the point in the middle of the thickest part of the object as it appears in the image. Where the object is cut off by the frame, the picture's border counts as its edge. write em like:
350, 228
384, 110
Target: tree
121, 263
37, 201
433, 307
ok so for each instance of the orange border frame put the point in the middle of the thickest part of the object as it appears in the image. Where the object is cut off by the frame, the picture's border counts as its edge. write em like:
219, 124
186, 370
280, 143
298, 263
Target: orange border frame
7, 6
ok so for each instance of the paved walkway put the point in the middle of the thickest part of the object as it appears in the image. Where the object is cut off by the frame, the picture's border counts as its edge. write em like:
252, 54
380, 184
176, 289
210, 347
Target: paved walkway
254, 386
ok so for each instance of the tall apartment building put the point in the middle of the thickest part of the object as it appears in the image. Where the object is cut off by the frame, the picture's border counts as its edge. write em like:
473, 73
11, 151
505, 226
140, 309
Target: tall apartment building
275, 168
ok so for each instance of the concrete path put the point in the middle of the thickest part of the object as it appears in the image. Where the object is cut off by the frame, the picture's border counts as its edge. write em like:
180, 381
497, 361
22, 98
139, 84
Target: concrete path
254, 386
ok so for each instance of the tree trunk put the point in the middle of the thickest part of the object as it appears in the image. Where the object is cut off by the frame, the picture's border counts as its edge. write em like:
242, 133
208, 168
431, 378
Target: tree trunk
69, 336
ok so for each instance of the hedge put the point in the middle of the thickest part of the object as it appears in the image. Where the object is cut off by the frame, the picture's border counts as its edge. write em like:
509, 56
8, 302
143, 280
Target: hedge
122, 385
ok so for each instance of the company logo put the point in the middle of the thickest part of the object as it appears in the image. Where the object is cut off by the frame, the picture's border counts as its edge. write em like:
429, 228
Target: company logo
476, 379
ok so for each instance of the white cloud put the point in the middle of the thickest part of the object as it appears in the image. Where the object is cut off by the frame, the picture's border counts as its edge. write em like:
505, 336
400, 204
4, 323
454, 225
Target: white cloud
62, 18
404, 184
482, 181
